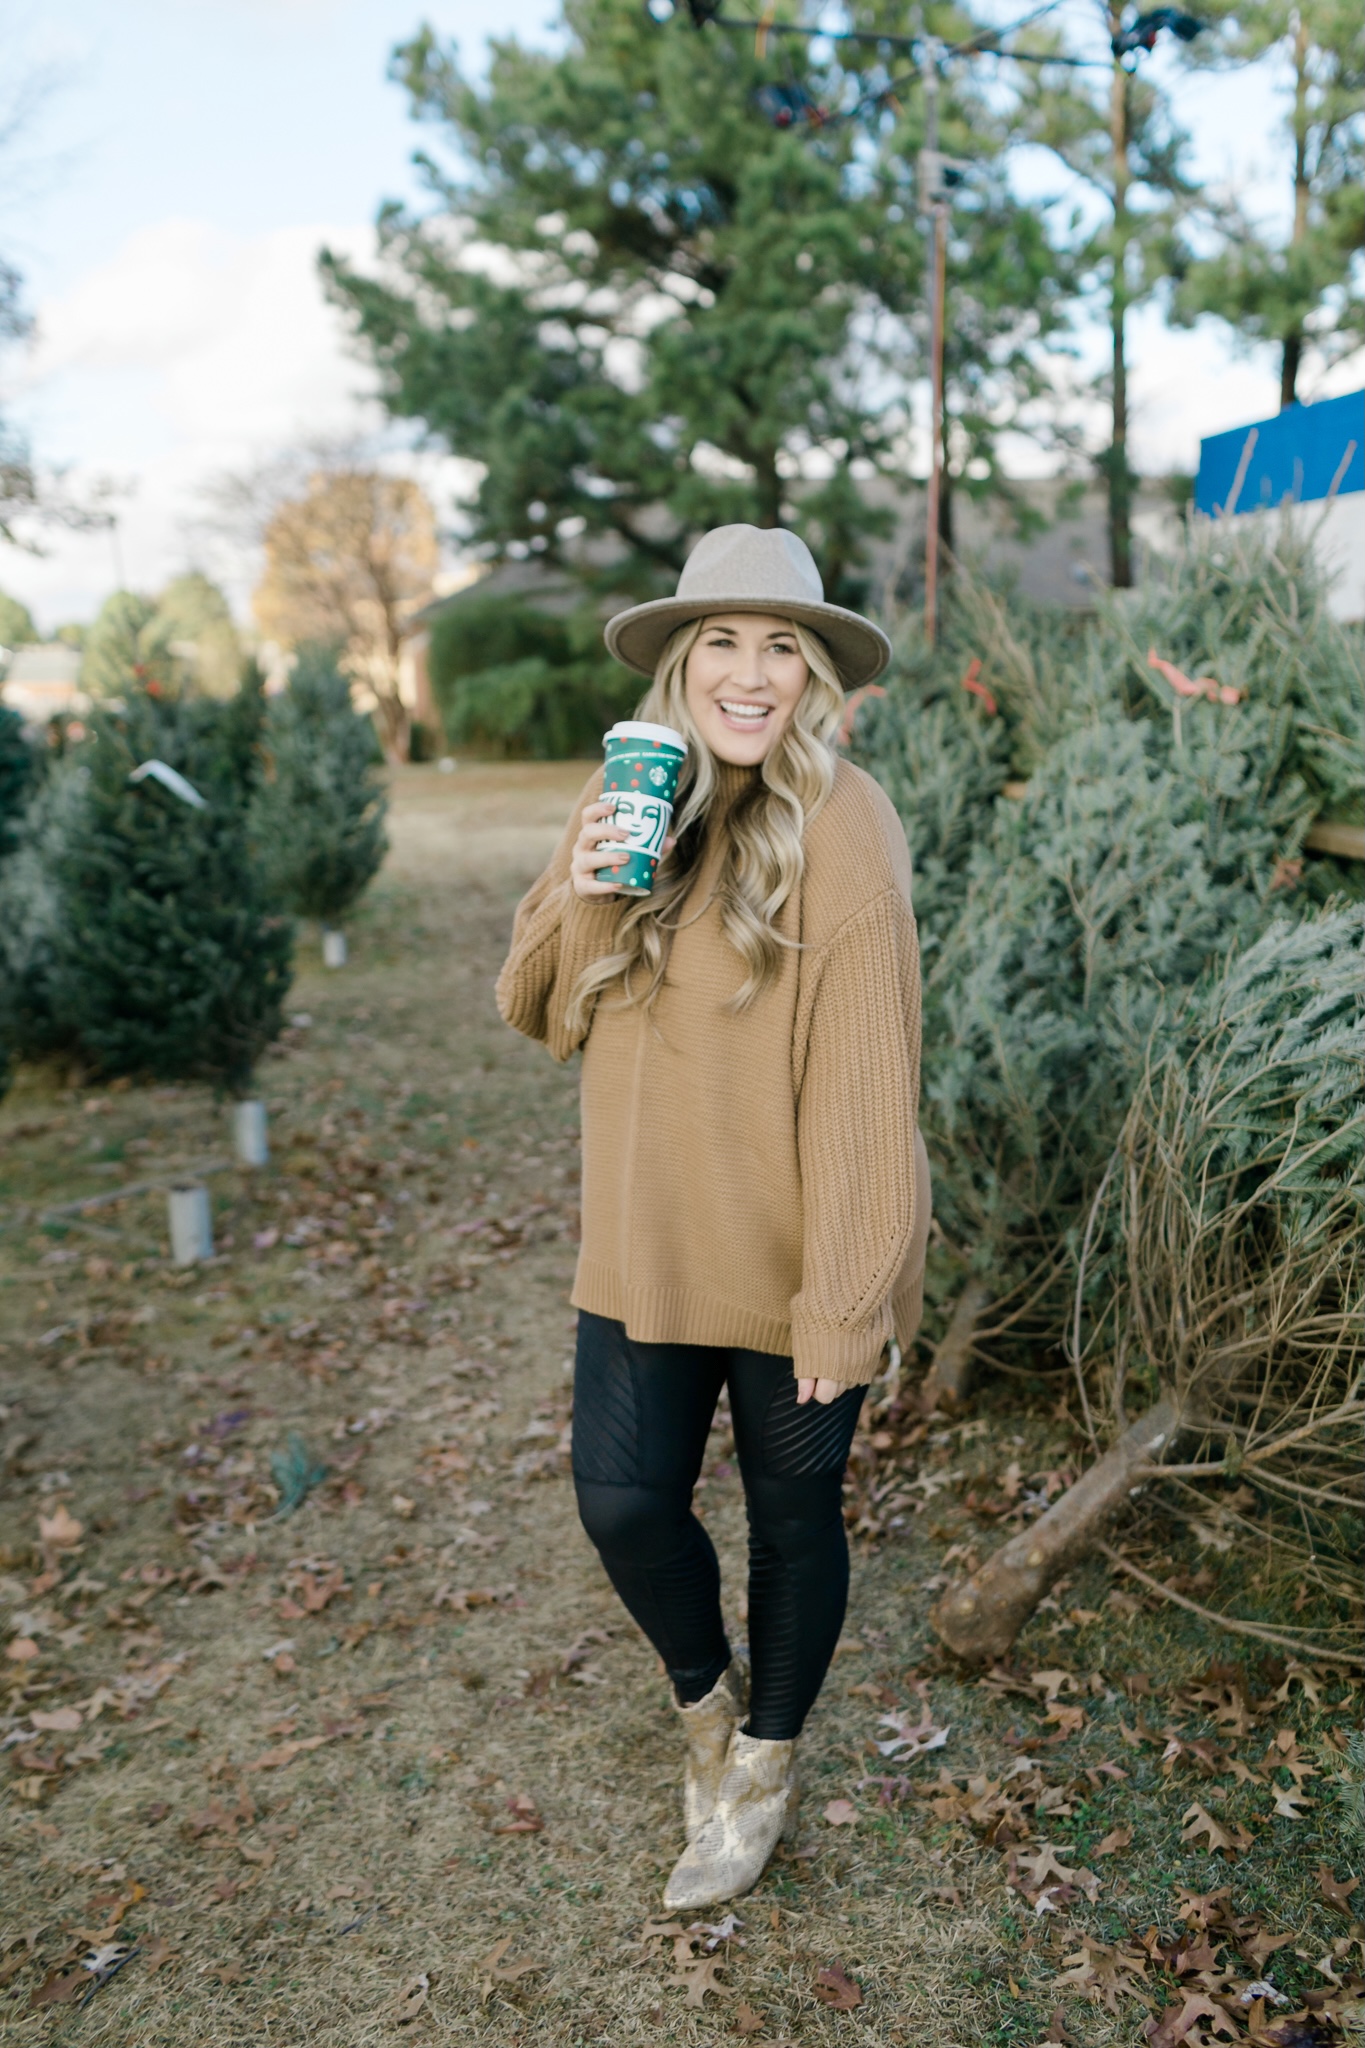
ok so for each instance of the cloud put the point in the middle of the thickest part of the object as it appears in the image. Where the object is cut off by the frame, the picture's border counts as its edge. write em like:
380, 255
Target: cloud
189, 351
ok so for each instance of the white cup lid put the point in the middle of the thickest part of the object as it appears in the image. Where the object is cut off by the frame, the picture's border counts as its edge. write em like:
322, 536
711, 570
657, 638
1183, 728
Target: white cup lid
639, 729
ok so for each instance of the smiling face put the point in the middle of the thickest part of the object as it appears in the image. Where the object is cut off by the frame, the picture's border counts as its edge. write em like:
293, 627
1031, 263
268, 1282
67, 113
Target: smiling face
744, 678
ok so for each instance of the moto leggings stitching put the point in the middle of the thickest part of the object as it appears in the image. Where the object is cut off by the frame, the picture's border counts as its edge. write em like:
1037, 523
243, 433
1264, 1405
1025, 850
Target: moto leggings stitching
641, 1416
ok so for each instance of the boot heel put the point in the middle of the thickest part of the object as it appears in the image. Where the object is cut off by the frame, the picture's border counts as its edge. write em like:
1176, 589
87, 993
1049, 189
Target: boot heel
791, 1827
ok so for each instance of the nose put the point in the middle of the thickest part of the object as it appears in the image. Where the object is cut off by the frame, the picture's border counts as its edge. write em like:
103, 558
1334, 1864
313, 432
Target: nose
748, 670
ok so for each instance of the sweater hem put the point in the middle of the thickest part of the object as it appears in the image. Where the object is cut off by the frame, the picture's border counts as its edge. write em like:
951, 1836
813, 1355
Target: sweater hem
677, 1315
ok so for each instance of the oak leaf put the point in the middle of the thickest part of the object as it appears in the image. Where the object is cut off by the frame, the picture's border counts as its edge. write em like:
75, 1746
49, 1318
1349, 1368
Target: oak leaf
1335, 1890
60, 1988
1178, 2021
699, 1976
1196, 1821
834, 1987
275, 1759
841, 1813
59, 1721
1116, 1839
411, 1999
60, 1530
524, 1819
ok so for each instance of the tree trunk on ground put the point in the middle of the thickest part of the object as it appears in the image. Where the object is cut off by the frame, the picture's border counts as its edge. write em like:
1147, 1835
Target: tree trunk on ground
945, 1383
980, 1617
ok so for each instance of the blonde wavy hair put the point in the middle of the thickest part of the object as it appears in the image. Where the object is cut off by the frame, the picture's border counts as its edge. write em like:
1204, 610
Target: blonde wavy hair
764, 853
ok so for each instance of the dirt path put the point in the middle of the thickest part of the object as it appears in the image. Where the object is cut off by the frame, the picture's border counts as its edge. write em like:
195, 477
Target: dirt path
396, 1765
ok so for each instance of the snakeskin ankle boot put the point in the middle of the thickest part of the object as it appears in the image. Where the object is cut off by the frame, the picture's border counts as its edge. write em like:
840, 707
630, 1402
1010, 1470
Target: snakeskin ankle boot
709, 1724
756, 1805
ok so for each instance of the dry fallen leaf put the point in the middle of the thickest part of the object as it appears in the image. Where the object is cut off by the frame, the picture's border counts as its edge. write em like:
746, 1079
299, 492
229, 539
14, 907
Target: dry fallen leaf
61, 1530
834, 1987
1289, 1805
525, 1820
21, 1650
1116, 1839
61, 1987
698, 1976
59, 1721
158, 1953
746, 2020
841, 1813
411, 1999
495, 1971
1196, 1821
1050, 1683
275, 1759
1335, 1890
1179, 2021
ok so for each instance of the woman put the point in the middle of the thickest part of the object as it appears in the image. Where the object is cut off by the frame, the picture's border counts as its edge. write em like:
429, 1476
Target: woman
755, 1190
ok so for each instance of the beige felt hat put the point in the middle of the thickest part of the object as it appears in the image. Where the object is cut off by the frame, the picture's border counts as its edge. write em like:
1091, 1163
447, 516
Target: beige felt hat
751, 569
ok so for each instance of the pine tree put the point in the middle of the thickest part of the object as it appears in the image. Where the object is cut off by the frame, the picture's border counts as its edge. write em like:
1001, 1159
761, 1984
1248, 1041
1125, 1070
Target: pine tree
1121, 144
1148, 833
128, 648
525, 681
317, 816
171, 957
31, 914
1301, 291
18, 777
709, 303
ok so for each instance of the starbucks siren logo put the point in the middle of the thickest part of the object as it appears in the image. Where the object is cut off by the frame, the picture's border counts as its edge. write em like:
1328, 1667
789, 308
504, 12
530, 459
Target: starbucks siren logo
658, 776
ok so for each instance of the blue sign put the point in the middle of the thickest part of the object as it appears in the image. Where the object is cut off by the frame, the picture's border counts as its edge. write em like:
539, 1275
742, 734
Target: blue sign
1306, 452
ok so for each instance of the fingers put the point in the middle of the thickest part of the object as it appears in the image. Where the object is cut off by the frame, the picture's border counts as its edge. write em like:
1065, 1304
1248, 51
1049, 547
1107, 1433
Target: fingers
598, 847
823, 1391
804, 1390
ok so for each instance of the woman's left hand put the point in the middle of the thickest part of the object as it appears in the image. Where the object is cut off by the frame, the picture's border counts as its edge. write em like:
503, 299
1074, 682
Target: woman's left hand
824, 1391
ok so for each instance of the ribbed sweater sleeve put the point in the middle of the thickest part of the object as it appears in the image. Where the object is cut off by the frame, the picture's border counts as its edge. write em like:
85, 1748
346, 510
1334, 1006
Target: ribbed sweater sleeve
857, 1104
555, 935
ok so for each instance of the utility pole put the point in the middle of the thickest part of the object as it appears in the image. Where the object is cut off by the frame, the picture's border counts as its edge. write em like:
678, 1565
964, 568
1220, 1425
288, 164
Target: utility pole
935, 206
1120, 476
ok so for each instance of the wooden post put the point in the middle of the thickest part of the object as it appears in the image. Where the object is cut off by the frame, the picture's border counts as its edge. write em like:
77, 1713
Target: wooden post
936, 213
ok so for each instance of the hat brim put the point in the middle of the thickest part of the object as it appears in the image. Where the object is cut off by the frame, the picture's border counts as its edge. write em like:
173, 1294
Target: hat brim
638, 637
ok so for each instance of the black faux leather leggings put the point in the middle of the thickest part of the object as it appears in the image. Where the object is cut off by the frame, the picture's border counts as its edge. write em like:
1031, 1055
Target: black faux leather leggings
640, 1421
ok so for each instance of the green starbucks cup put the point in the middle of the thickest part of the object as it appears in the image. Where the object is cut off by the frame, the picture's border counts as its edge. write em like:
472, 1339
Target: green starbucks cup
642, 768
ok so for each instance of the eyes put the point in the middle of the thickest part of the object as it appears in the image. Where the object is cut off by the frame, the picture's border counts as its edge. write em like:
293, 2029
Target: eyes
723, 642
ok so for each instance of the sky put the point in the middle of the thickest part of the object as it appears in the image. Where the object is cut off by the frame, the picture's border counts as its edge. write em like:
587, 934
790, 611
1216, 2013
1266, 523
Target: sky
165, 198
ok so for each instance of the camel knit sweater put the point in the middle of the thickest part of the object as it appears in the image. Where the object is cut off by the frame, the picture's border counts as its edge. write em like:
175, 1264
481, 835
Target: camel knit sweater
753, 1179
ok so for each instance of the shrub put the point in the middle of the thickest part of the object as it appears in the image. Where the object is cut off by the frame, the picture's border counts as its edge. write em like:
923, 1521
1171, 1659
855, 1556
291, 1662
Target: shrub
169, 956
522, 682
317, 814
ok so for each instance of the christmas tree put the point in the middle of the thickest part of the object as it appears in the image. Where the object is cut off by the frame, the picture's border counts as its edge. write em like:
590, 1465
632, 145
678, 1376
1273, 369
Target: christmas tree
1217, 1317
19, 764
1138, 813
18, 777
170, 956
317, 814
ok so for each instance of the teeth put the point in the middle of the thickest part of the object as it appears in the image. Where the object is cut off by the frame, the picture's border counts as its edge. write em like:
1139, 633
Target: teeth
751, 711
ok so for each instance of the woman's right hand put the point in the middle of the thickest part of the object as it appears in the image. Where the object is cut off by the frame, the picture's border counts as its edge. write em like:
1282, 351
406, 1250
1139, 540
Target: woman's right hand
587, 861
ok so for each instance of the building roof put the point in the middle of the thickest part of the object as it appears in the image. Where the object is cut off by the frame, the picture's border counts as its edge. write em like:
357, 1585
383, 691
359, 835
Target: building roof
1303, 455
47, 661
